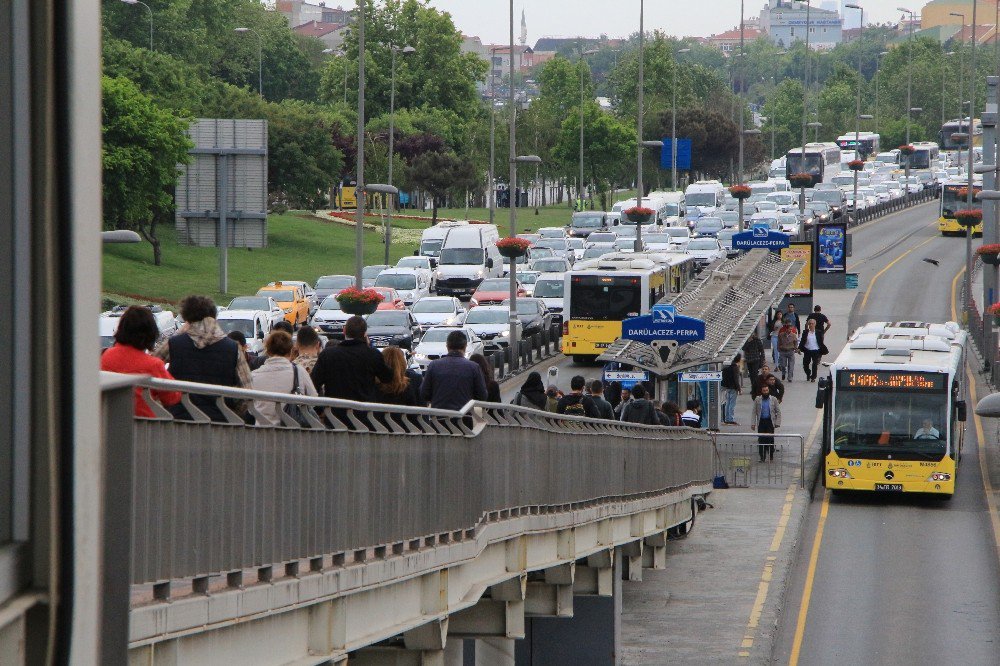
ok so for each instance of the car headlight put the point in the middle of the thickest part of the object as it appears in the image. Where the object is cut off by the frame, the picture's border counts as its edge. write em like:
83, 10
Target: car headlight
420, 357
479, 274
505, 333
438, 274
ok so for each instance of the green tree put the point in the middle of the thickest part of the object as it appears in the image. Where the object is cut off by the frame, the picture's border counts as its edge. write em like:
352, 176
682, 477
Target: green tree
142, 146
608, 146
302, 161
439, 174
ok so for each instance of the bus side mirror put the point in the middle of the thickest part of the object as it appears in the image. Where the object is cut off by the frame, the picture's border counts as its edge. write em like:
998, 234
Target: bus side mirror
416, 253
489, 262
960, 411
822, 387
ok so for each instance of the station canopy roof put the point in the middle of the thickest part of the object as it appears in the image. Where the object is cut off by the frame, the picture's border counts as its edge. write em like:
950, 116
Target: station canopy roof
730, 297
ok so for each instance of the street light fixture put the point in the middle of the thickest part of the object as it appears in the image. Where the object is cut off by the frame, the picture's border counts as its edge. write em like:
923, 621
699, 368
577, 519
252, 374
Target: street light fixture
673, 125
815, 125
743, 133
260, 57
961, 76
359, 212
138, 2
774, 77
857, 110
406, 50
805, 112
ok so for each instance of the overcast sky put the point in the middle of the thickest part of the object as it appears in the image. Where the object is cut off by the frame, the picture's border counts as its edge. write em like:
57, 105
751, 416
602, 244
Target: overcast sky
489, 20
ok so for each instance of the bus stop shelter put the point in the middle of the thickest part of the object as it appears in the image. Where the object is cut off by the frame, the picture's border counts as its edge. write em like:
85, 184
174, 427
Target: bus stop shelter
730, 296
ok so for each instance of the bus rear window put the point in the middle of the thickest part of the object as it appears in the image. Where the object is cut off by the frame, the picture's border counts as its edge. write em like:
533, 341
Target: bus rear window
612, 300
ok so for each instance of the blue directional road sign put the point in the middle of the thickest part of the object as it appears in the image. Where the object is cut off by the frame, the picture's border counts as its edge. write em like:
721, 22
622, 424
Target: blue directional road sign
760, 236
683, 154
663, 323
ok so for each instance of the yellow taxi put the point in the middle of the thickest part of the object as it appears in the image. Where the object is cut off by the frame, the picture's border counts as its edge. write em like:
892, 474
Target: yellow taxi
291, 298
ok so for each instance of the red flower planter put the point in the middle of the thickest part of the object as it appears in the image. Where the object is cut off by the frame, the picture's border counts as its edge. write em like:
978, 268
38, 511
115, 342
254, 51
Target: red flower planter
801, 180
990, 254
513, 247
969, 217
359, 301
740, 192
856, 165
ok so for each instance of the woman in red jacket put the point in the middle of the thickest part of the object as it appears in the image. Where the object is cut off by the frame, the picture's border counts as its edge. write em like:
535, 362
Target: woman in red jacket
137, 333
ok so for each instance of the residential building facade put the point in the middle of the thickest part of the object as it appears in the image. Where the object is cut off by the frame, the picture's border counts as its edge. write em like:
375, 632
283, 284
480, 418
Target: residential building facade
784, 22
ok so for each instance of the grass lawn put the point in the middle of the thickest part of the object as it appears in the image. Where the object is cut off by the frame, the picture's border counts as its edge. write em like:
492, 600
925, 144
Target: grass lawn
300, 247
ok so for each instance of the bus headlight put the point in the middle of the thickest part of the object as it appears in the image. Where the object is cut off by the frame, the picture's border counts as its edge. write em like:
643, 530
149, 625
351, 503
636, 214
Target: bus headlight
940, 476
839, 473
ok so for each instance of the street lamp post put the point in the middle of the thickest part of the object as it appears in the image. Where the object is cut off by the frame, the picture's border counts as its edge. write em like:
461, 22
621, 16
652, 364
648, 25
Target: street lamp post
944, 67
740, 201
580, 189
805, 113
339, 53
406, 50
260, 57
514, 341
673, 125
774, 78
969, 199
961, 82
640, 143
138, 2
359, 212
857, 109
742, 75
909, 68
878, 60
493, 128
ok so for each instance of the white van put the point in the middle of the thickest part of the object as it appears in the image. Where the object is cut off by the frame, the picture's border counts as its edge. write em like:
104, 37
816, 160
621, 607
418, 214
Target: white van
703, 197
468, 256
668, 206
433, 237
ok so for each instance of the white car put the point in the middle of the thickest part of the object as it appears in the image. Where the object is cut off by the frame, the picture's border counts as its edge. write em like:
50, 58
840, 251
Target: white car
552, 232
788, 223
576, 246
527, 280
784, 201
108, 323
551, 265
331, 285
706, 250
659, 240
433, 345
492, 324
601, 239
425, 265
411, 284
550, 288
262, 303
329, 318
254, 324
432, 311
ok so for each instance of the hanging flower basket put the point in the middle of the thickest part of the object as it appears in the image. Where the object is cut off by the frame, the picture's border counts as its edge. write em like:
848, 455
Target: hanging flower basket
740, 192
639, 215
990, 254
359, 301
995, 311
962, 193
513, 247
801, 180
969, 217
856, 165
907, 149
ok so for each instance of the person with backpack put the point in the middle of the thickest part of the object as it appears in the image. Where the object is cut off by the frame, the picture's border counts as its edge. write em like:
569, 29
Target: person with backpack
532, 393
732, 386
575, 403
639, 409
788, 346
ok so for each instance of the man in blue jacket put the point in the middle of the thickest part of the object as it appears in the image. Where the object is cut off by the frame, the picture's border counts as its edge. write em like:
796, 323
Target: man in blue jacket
453, 380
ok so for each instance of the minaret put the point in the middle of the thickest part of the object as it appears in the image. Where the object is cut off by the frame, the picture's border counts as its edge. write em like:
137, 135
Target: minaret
524, 29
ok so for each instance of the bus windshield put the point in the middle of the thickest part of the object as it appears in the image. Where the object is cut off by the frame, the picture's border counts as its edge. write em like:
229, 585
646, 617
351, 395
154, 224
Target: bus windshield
813, 163
891, 425
604, 298
955, 198
700, 198
920, 159
462, 256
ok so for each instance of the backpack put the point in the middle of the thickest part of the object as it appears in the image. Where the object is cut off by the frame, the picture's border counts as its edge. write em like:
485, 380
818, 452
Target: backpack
294, 410
576, 408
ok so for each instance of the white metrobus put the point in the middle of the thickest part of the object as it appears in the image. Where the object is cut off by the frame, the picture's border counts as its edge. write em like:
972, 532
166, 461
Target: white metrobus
819, 160
895, 409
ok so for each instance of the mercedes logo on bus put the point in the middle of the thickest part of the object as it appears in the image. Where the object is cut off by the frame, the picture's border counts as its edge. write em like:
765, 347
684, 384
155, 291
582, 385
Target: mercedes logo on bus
889, 475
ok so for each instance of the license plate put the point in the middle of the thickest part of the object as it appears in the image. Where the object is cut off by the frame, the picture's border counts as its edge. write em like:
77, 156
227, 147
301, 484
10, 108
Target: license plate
896, 487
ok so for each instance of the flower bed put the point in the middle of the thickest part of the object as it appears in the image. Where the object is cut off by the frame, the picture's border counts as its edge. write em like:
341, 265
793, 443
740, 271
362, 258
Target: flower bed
856, 165
969, 217
359, 301
801, 180
990, 254
740, 192
513, 247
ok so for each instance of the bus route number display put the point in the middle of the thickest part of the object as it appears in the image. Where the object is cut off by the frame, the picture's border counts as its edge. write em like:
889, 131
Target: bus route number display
885, 379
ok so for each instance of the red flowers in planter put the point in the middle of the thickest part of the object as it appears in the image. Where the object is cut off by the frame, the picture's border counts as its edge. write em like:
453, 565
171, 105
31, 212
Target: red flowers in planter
513, 246
638, 213
995, 311
969, 217
801, 180
359, 301
990, 254
907, 149
740, 191
856, 165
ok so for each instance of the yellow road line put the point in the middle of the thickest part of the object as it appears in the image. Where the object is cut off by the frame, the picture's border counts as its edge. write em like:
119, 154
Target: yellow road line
954, 297
800, 624
991, 501
868, 291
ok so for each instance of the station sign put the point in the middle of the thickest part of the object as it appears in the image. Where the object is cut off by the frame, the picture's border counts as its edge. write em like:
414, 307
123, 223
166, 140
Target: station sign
626, 376
760, 236
690, 377
663, 323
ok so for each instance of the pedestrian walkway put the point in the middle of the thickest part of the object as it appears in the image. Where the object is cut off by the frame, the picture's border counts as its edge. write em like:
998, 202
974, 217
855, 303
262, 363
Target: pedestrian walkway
718, 598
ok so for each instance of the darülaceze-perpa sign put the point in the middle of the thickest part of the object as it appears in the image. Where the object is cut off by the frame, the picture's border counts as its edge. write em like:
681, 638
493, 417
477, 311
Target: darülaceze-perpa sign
663, 323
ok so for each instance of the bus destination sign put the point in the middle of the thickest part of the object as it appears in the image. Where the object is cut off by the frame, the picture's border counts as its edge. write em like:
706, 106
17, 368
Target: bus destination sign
891, 380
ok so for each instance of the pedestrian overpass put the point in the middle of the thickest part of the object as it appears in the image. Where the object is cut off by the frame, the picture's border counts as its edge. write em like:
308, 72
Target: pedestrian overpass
385, 534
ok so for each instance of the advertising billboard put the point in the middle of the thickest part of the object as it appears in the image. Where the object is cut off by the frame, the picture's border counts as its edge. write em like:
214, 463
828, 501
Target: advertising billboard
831, 248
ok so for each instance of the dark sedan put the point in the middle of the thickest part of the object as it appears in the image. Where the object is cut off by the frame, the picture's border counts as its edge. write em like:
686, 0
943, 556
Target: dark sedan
534, 316
393, 327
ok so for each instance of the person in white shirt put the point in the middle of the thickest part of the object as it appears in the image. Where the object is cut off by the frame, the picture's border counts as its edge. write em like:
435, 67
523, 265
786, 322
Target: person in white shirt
279, 375
812, 348
927, 431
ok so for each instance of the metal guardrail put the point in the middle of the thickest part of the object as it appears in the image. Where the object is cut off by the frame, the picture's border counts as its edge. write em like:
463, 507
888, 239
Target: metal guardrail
227, 503
892, 206
532, 349
738, 458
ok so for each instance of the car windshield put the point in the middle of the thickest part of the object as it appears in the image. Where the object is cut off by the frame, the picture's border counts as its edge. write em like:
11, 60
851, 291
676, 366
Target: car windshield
766, 205
431, 248
549, 265
412, 262
781, 199
388, 318
552, 243
462, 256
657, 238
281, 296
439, 335
244, 326
496, 284
541, 252
586, 220
828, 196
698, 244
372, 271
821, 206
677, 232
624, 244
708, 224
594, 252
397, 280
425, 305
484, 316
330, 303
335, 282
575, 243
549, 289
551, 233
601, 238
729, 215
524, 306
527, 278
250, 303
700, 199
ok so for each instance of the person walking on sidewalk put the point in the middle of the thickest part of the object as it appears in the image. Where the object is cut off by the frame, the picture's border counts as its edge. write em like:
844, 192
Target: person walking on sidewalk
788, 346
732, 386
603, 406
575, 403
773, 337
641, 410
812, 348
822, 321
753, 354
766, 418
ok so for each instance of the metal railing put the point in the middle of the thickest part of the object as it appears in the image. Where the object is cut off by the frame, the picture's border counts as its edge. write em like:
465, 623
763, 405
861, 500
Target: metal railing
891, 206
530, 350
224, 504
738, 458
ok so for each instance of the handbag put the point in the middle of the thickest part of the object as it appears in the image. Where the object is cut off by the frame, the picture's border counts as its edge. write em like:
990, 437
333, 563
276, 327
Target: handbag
294, 410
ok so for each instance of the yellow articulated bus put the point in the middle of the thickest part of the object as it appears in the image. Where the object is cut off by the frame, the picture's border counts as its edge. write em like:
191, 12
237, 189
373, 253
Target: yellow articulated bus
895, 409
954, 198
600, 293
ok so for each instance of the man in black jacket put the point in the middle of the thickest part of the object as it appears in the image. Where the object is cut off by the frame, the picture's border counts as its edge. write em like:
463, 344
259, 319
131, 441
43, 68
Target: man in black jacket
348, 371
453, 380
812, 348
576, 403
